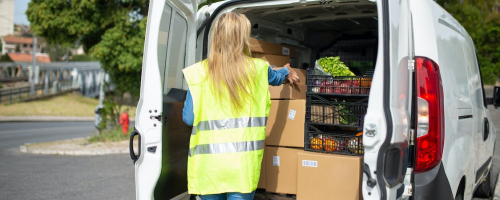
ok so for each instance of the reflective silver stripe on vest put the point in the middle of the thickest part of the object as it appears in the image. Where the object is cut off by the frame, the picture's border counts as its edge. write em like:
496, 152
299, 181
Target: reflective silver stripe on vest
231, 147
231, 123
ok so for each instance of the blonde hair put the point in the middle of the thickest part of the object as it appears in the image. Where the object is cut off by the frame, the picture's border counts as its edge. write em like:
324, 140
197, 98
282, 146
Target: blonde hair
230, 67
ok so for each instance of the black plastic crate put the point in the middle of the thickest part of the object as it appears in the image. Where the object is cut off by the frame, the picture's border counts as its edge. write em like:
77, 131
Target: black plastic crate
319, 83
337, 112
334, 141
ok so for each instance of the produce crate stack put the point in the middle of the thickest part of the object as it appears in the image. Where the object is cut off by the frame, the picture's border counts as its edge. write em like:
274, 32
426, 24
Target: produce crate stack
335, 111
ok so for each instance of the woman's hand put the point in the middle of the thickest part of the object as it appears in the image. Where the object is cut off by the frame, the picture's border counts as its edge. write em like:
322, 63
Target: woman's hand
293, 78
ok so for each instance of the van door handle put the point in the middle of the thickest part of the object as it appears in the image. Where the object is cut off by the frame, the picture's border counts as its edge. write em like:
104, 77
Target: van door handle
486, 129
131, 146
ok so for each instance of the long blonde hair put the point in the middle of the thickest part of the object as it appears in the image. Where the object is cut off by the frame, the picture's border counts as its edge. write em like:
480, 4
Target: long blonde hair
230, 67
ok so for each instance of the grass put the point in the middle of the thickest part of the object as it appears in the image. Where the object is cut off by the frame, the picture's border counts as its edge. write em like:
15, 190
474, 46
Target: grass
62, 105
111, 135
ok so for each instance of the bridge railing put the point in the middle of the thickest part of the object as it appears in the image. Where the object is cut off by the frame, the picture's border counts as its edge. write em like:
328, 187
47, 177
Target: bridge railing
50, 78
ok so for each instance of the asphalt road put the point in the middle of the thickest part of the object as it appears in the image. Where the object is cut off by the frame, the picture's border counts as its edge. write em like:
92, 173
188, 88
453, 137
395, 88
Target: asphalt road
27, 176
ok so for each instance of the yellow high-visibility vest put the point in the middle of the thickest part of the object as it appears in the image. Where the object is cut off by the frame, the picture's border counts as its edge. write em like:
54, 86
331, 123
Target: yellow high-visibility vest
226, 148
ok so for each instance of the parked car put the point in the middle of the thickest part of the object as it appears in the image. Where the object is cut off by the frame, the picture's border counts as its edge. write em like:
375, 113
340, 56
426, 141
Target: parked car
427, 131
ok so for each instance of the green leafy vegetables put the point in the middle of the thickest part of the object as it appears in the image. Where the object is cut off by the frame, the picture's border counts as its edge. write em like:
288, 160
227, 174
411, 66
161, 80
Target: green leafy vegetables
334, 66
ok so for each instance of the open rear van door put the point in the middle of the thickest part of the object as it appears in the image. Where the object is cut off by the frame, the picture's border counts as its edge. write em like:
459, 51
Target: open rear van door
387, 123
161, 160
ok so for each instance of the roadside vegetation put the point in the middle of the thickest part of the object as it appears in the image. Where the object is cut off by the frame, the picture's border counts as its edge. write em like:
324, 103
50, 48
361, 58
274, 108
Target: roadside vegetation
110, 135
61, 105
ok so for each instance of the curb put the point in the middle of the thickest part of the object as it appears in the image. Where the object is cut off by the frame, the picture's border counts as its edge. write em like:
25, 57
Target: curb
25, 149
76, 151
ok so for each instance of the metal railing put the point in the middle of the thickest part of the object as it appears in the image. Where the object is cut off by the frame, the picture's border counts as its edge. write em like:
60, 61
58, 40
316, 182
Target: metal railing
51, 78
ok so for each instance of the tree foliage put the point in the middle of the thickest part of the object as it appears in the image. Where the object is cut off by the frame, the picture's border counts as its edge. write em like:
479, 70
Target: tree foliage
111, 31
481, 19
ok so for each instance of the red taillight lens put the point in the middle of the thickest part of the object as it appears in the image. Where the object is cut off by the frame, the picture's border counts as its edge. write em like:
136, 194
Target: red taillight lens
430, 117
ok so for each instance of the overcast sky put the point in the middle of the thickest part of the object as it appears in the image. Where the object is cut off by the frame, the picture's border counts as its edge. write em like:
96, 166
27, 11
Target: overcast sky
20, 8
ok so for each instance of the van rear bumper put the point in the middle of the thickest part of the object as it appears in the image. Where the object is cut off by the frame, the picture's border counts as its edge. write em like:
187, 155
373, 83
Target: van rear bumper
433, 184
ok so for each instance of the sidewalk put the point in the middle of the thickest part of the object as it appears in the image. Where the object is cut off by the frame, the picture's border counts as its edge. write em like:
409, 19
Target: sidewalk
77, 147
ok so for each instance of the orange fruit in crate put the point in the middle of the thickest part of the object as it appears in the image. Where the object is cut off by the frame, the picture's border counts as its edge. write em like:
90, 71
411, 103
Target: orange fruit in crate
365, 82
317, 143
330, 144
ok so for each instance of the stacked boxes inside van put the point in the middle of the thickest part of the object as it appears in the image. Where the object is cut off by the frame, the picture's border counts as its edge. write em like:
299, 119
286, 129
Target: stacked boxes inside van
285, 125
314, 131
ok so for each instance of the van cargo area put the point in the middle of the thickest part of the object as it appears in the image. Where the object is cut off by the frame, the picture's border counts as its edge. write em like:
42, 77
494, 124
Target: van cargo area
314, 144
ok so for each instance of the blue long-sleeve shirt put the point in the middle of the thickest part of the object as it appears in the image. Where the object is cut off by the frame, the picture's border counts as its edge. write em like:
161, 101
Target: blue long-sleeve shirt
275, 77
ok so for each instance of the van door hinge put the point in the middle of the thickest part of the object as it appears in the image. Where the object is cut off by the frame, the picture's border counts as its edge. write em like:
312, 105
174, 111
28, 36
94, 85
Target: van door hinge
411, 65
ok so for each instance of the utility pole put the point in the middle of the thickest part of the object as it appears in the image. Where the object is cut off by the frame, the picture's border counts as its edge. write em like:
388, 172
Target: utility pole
32, 71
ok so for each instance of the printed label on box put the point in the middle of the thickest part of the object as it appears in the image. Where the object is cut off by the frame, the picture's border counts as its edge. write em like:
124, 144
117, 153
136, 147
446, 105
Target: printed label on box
309, 163
291, 114
276, 161
286, 51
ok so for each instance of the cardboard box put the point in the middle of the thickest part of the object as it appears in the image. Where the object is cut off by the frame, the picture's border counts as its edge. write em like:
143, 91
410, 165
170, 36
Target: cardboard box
273, 60
281, 169
300, 72
262, 180
259, 46
285, 124
328, 176
288, 91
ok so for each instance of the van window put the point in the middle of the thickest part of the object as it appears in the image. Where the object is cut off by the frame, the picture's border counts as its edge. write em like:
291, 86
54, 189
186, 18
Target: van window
177, 54
474, 74
478, 66
171, 52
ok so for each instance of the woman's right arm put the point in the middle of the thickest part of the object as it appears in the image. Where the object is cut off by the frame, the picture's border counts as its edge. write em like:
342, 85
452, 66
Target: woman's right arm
277, 77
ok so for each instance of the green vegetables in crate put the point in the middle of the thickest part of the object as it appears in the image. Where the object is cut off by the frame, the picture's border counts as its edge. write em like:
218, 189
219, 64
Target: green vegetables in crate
346, 114
334, 66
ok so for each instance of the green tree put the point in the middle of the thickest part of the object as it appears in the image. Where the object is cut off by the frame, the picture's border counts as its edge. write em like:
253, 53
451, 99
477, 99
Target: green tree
18, 48
5, 58
482, 21
110, 31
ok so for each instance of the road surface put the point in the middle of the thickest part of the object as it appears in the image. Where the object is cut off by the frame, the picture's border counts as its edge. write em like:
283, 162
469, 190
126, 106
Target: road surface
27, 176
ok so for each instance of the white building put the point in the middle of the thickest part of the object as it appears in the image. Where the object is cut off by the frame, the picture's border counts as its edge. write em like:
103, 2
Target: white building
6, 17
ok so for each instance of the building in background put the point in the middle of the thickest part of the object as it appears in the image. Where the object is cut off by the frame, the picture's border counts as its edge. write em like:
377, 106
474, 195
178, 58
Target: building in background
11, 44
6, 17
24, 57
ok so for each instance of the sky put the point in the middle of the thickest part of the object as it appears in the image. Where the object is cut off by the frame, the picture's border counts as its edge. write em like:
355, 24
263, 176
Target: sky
20, 8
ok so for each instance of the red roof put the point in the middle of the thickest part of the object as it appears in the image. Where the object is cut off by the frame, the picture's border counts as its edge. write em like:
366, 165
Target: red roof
15, 39
24, 57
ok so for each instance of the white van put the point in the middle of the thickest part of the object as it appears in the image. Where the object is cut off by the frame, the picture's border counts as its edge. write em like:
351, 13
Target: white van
427, 131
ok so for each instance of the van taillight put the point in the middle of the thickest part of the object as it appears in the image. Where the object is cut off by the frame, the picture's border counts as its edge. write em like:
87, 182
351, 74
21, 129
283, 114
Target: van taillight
430, 115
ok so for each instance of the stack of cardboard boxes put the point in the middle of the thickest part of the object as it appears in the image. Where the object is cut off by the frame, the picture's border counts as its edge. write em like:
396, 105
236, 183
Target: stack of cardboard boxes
286, 167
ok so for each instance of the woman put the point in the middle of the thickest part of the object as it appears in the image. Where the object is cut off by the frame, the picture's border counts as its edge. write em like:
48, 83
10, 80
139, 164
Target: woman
227, 104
